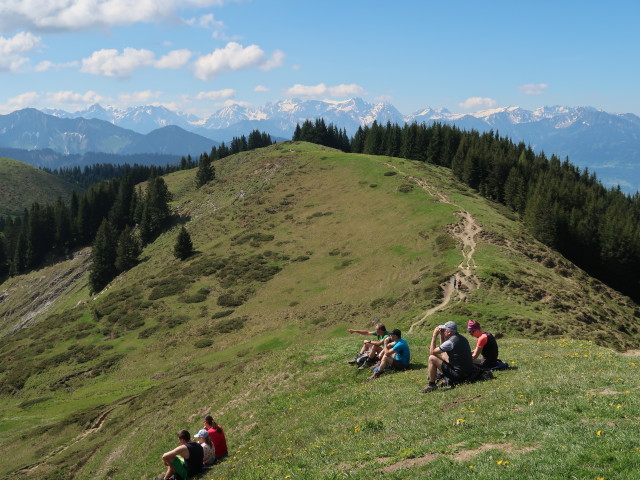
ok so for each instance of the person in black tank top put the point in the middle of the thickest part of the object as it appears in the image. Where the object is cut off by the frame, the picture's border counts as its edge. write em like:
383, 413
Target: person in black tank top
192, 454
487, 346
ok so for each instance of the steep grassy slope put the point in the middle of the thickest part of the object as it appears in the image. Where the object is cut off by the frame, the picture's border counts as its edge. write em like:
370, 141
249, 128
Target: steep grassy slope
22, 184
296, 243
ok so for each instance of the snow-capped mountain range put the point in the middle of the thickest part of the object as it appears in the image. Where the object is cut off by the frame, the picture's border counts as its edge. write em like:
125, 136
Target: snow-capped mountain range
606, 143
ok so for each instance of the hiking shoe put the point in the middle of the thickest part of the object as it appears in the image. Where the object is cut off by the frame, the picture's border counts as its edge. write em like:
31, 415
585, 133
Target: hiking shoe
429, 388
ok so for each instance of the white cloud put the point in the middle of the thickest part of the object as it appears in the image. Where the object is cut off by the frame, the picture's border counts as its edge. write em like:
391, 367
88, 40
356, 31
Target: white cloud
48, 65
234, 57
216, 95
20, 43
143, 96
346, 90
13, 48
205, 21
111, 63
72, 15
275, 61
533, 88
260, 88
322, 90
67, 97
174, 59
478, 102
24, 100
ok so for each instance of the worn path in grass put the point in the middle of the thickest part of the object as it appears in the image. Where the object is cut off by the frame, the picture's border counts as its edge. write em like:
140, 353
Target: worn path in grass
94, 426
465, 231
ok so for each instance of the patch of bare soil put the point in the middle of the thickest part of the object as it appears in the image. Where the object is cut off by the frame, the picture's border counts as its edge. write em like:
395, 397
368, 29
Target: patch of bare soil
631, 353
410, 462
466, 455
459, 401
460, 456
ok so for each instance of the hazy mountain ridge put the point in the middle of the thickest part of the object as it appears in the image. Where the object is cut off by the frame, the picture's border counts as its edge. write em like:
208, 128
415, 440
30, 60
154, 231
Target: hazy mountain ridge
30, 129
608, 144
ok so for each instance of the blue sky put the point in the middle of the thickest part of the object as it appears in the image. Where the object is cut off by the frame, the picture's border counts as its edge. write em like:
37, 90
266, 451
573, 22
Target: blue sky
196, 56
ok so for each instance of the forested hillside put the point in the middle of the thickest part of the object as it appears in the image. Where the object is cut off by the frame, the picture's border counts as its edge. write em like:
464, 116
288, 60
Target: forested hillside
50, 229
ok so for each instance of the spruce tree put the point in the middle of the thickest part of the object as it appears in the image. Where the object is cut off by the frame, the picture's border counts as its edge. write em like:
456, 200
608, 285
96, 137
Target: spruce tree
63, 232
155, 213
103, 254
19, 262
205, 172
120, 213
183, 248
4, 257
128, 250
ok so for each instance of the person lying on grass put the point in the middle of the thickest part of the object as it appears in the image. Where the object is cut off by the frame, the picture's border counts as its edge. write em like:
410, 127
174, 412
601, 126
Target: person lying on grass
458, 365
185, 460
371, 346
395, 354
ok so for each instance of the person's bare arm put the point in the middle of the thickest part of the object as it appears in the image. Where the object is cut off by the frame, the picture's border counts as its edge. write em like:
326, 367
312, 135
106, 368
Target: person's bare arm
433, 350
361, 332
181, 450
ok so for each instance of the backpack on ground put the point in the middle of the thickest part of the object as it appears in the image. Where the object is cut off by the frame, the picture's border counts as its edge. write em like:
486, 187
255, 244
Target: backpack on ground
500, 365
361, 359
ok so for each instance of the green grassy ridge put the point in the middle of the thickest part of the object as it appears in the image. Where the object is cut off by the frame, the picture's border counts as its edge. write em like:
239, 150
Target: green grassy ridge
366, 243
21, 185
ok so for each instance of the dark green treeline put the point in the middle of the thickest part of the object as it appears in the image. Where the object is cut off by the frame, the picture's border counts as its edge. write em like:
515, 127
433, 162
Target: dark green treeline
562, 206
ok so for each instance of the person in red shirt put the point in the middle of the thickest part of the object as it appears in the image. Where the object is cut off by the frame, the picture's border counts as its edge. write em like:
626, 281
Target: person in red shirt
487, 346
216, 434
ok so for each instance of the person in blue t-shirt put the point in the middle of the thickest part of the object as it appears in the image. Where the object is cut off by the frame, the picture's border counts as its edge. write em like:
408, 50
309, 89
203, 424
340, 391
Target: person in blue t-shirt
395, 355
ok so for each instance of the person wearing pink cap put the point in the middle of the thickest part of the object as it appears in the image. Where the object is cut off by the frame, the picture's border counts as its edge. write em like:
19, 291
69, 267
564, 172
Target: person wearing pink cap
486, 346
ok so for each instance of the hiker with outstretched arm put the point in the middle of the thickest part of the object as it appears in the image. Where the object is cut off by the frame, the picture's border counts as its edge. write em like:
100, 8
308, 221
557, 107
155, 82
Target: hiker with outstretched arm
371, 346
185, 460
458, 365
395, 355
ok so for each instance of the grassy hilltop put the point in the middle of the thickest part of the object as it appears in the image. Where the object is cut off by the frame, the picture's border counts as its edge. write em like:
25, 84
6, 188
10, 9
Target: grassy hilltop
21, 185
295, 243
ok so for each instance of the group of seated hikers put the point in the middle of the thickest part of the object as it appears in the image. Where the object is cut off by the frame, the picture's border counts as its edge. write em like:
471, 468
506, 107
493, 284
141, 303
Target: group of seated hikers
192, 457
453, 360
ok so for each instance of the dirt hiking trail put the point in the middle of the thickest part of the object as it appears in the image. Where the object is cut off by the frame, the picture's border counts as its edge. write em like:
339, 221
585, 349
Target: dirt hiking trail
465, 231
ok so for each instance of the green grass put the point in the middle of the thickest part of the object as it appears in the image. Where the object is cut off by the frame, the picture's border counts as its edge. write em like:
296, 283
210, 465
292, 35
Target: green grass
156, 352
21, 185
